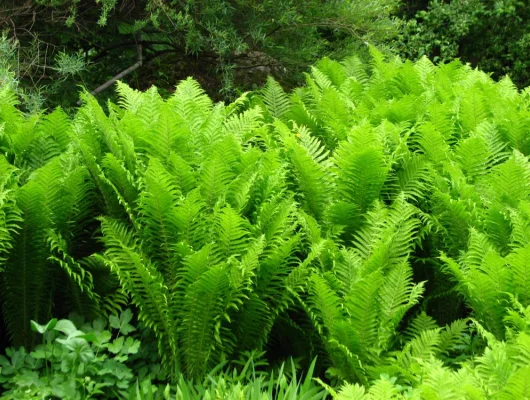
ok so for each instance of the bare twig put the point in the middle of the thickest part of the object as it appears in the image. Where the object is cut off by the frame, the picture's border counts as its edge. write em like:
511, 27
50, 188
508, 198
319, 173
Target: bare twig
123, 73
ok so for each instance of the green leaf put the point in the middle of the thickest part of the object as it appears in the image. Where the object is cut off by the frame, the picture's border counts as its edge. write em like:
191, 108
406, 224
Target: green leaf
35, 327
41, 353
131, 346
122, 323
99, 325
67, 327
116, 346
97, 338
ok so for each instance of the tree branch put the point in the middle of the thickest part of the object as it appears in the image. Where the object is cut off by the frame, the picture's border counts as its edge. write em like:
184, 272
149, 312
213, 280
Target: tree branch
124, 43
123, 73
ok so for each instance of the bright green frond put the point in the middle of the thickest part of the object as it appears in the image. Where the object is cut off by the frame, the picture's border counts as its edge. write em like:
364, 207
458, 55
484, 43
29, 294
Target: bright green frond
277, 102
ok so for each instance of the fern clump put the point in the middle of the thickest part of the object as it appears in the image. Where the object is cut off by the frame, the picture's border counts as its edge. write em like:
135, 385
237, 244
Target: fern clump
377, 218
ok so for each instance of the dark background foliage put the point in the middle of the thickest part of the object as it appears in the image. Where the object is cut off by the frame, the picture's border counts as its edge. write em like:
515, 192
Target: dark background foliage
491, 35
51, 47
228, 45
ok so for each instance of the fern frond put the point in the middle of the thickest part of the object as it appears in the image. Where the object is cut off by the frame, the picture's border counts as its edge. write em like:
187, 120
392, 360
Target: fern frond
113, 298
334, 70
277, 102
52, 137
384, 388
310, 170
433, 144
254, 323
303, 113
396, 296
361, 173
203, 310
354, 67
244, 125
520, 269
422, 346
422, 322
414, 177
351, 392
425, 69
74, 269
495, 368
166, 134
325, 303
231, 234
10, 216
348, 269
520, 223
452, 336
505, 183
320, 79
184, 175
214, 177
440, 382
188, 217
362, 305
145, 286
518, 385
117, 173
157, 217
388, 235
130, 99
210, 131
238, 104
472, 109
191, 103
484, 281
26, 278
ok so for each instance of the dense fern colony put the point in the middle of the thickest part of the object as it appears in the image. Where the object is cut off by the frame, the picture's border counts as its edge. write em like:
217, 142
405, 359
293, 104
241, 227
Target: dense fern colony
377, 218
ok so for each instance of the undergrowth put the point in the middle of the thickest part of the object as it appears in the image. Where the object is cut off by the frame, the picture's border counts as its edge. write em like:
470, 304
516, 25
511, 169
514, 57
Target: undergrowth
376, 220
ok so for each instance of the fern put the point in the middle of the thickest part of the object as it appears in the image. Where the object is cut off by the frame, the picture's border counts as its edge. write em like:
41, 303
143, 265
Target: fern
310, 169
9, 213
244, 125
276, 100
191, 103
205, 306
472, 109
168, 135
357, 184
322, 216
414, 178
231, 235
145, 285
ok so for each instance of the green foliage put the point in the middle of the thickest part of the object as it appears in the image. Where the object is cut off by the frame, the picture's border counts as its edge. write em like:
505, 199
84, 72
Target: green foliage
444, 30
246, 382
48, 210
377, 218
227, 45
102, 360
455, 145
500, 373
91, 360
194, 257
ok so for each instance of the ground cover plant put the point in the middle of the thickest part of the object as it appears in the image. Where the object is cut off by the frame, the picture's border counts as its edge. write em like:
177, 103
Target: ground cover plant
376, 220
110, 361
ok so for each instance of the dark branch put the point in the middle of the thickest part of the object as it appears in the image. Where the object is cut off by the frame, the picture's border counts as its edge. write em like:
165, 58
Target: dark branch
123, 73
125, 43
